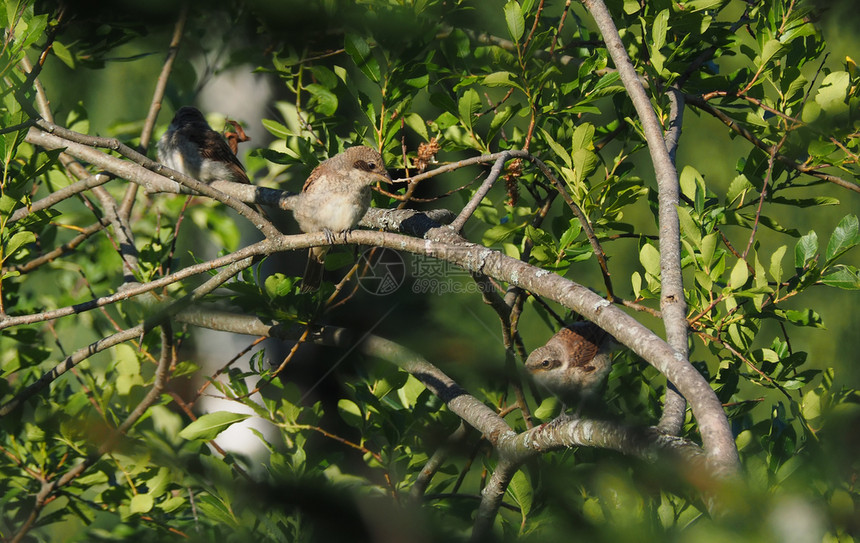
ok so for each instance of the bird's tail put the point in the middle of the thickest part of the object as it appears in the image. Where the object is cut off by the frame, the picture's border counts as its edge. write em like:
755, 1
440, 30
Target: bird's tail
314, 269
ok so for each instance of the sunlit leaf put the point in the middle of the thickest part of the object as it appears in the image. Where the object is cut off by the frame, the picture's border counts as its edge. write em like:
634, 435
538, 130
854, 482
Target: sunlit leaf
515, 20
210, 425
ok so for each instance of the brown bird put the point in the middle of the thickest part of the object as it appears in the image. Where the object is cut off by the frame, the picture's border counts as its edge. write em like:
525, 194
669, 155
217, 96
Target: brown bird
190, 146
334, 198
573, 363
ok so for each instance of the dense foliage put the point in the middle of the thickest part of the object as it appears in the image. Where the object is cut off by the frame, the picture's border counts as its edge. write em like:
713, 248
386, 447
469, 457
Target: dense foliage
104, 371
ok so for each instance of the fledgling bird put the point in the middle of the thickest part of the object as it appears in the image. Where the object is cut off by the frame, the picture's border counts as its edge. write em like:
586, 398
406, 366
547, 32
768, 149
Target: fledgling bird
334, 198
573, 363
190, 146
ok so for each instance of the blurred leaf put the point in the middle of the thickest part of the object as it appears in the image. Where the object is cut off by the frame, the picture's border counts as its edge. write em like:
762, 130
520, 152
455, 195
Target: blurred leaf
350, 413
323, 101
210, 425
141, 503
548, 408
63, 54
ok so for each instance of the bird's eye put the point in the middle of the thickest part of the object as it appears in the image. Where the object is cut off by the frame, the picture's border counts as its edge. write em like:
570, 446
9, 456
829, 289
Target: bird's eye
545, 363
362, 165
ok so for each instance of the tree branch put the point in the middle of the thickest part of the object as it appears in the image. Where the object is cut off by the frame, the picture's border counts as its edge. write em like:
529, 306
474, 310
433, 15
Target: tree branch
672, 303
105, 343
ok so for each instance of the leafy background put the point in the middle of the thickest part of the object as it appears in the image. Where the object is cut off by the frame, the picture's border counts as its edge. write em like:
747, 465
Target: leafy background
101, 82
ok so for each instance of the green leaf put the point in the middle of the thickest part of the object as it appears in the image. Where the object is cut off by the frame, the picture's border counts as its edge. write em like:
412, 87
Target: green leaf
469, 106
739, 186
658, 32
806, 202
501, 116
559, 151
548, 408
419, 82
806, 249
776, 263
520, 489
583, 137
833, 93
636, 283
63, 54
699, 5
357, 48
350, 413
501, 79
842, 276
690, 180
210, 425
127, 368
515, 20
739, 275
649, 256
408, 393
498, 233
276, 128
709, 244
771, 49
141, 503
803, 317
323, 101
584, 163
416, 123
17, 240
278, 285
689, 227
844, 237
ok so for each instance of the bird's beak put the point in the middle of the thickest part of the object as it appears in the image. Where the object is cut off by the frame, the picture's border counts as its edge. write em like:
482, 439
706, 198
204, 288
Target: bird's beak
384, 178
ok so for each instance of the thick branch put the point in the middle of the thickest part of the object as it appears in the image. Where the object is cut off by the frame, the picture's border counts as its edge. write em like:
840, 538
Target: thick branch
672, 303
713, 425
136, 174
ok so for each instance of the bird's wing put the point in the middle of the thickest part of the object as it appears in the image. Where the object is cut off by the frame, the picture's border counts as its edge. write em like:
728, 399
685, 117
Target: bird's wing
315, 174
211, 145
581, 342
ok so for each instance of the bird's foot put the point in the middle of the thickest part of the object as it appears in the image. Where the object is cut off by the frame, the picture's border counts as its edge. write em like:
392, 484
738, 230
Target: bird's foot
329, 236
